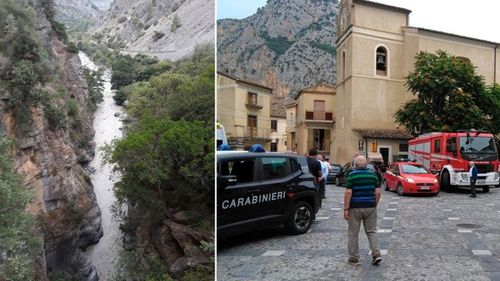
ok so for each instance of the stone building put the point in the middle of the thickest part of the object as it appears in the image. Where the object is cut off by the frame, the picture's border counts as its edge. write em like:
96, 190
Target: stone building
376, 49
278, 132
310, 120
244, 108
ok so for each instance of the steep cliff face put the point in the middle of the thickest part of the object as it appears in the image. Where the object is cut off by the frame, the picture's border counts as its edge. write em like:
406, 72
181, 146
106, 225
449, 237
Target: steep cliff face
102, 5
286, 45
50, 154
75, 13
166, 29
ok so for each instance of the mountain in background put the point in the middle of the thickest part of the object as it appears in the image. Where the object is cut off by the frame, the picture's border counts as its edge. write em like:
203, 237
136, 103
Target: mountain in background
102, 5
287, 45
168, 30
76, 14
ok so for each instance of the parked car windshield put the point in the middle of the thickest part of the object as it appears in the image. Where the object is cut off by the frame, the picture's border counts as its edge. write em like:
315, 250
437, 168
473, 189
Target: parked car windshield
414, 169
477, 145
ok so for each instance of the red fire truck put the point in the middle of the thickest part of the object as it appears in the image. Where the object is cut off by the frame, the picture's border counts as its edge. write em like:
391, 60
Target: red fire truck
449, 154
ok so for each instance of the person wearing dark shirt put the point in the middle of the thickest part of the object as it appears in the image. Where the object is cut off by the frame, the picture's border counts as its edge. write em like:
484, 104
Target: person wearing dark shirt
473, 179
314, 166
315, 169
360, 206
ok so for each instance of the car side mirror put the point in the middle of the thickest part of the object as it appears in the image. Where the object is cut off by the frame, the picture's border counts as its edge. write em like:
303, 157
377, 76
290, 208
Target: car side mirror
228, 180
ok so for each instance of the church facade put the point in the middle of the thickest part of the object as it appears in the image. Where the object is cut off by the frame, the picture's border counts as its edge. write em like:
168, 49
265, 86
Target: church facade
376, 50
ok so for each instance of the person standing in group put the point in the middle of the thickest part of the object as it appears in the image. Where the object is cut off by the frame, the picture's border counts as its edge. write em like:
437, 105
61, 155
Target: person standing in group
360, 205
473, 179
315, 168
356, 154
324, 171
327, 161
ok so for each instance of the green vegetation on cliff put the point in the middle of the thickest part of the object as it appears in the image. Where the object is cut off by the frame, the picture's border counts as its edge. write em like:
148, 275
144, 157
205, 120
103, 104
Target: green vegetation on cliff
278, 44
30, 66
166, 159
20, 242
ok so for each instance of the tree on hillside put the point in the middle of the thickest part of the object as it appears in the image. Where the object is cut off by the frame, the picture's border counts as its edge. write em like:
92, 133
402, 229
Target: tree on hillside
450, 96
20, 242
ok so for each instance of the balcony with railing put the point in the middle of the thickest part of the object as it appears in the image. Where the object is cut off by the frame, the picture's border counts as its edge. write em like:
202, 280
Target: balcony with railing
254, 105
257, 133
319, 116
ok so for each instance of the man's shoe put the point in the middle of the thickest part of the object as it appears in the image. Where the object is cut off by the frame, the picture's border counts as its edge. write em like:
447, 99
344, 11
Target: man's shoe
376, 260
472, 196
353, 261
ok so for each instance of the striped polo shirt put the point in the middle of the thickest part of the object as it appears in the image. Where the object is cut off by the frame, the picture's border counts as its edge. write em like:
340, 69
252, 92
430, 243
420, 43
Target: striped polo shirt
363, 183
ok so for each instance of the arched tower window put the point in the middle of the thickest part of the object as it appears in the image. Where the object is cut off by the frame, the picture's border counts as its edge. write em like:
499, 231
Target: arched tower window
381, 61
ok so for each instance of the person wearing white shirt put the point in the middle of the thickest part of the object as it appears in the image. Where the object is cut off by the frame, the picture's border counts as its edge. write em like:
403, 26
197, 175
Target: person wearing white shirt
325, 171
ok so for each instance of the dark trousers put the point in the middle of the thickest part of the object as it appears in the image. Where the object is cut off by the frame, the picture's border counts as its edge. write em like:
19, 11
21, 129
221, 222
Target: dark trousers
322, 187
473, 187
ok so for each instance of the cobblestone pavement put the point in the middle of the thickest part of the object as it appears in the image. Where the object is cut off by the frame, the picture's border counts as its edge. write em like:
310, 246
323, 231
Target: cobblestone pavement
445, 237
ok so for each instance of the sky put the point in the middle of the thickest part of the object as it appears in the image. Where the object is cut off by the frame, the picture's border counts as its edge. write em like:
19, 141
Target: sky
472, 18
238, 9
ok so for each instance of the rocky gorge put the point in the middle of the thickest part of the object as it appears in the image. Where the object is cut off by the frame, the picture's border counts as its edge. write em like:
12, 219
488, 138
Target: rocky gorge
51, 147
53, 127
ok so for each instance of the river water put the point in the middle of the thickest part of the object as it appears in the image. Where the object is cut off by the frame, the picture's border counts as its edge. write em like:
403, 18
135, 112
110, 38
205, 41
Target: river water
107, 127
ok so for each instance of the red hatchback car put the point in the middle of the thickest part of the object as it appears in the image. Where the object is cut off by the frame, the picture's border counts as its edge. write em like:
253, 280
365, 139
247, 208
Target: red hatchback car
410, 177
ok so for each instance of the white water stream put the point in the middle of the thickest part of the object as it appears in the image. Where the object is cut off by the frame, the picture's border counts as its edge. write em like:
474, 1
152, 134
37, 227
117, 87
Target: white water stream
105, 253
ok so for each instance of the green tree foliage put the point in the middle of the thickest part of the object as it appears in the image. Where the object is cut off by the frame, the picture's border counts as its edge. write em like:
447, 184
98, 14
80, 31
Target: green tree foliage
450, 95
176, 23
20, 243
95, 87
20, 44
166, 159
490, 104
123, 72
157, 35
165, 162
128, 70
136, 267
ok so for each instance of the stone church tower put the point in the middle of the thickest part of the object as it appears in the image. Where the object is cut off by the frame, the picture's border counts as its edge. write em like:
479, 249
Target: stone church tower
376, 50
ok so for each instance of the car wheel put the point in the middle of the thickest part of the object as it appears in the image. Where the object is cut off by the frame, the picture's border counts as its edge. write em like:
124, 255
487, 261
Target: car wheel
399, 189
337, 181
300, 218
445, 181
486, 188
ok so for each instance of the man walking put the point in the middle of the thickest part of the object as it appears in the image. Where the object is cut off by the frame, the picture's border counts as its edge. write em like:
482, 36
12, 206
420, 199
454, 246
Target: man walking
473, 179
360, 205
